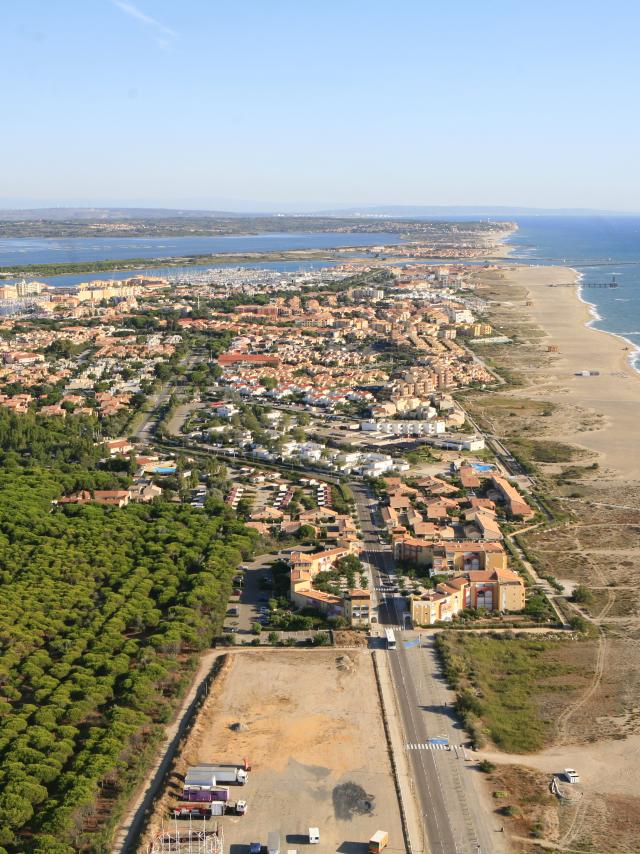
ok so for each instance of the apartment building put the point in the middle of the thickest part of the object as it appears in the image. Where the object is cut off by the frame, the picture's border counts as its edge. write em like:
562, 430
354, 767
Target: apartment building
357, 607
515, 503
490, 590
449, 558
315, 563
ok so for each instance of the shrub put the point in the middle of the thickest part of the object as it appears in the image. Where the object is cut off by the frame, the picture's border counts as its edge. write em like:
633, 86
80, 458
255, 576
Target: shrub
579, 624
583, 595
509, 810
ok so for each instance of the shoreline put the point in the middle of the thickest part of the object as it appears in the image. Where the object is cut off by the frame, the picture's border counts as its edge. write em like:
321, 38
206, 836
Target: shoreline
612, 390
634, 356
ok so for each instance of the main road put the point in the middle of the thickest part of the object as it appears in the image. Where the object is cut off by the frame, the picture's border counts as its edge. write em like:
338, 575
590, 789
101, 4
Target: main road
454, 820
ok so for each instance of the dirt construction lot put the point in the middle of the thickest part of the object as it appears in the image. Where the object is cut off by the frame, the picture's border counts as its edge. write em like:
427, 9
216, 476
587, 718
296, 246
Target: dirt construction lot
311, 726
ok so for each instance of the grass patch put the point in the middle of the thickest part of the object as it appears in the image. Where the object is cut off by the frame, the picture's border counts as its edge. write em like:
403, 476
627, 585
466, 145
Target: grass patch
502, 403
530, 808
543, 451
500, 681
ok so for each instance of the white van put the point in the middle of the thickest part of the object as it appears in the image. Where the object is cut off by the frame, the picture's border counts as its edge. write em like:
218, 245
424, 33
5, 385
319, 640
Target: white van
273, 843
314, 835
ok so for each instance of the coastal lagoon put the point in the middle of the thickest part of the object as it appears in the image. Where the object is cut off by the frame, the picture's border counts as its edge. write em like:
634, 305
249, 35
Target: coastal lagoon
51, 250
67, 280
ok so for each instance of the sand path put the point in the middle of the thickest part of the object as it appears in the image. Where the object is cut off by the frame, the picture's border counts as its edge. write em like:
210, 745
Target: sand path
609, 767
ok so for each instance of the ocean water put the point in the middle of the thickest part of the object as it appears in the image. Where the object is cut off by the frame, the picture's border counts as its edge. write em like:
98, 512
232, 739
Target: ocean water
599, 248
50, 250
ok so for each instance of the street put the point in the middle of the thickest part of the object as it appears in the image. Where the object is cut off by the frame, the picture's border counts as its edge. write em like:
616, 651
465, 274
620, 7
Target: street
455, 821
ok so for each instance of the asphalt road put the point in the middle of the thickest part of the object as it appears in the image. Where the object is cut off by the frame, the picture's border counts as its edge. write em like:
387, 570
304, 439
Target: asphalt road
157, 400
454, 820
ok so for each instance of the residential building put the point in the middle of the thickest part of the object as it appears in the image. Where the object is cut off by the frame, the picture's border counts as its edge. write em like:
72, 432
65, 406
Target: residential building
515, 503
490, 590
357, 607
449, 558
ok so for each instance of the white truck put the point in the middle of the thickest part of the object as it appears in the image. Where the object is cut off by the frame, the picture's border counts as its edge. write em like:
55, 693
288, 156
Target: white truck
221, 773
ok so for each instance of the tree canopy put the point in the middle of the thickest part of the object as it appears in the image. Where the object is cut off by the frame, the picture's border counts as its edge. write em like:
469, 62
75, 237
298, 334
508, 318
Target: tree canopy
104, 610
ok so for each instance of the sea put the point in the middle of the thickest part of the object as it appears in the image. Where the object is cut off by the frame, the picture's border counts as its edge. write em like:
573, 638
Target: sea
603, 249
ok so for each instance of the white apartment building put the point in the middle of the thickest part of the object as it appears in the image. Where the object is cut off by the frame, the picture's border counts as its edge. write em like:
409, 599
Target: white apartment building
405, 428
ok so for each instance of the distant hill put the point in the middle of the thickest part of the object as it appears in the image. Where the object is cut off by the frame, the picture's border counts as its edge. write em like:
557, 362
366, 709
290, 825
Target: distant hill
119, 214
474, 211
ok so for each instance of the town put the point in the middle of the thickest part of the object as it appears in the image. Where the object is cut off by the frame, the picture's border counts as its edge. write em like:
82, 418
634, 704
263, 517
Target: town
319, 389
325, 409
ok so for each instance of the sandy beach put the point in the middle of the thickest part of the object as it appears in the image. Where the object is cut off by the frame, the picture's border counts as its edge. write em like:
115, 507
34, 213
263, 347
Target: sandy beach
614, 393
578, 433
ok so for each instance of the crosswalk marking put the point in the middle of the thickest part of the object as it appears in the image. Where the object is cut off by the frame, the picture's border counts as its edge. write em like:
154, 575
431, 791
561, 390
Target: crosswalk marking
427, 746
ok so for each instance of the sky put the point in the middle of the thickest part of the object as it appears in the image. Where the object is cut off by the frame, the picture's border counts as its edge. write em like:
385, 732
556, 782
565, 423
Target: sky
313, 104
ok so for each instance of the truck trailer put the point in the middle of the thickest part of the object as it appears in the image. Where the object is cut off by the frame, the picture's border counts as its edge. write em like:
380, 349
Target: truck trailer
200, 778
186, 809
220, 793
219, 774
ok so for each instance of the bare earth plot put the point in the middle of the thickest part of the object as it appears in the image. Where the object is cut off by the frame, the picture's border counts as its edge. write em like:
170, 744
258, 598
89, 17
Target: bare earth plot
310, 724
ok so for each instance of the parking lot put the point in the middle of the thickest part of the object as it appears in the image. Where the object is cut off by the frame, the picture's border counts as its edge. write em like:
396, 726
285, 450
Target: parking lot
310, 725
253, 594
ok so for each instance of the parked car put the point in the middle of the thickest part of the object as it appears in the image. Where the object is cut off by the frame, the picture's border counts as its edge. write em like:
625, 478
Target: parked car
255, 848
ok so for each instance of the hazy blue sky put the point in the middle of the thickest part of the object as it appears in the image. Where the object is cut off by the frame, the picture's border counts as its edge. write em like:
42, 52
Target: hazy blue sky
315, 103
